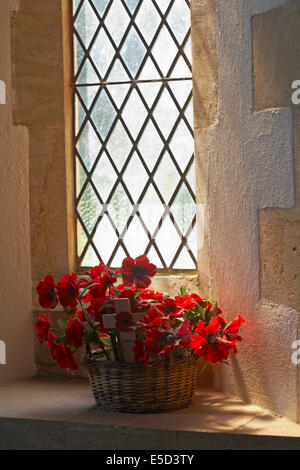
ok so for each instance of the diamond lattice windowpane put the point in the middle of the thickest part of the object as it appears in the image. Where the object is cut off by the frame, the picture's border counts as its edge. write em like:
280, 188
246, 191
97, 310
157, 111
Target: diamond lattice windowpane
135, 177
166, 177
166, 113
118, 258
183, 209
105, 236
118, 73
179, 19
133, 52
119, 145
80, 177
184, 260
148, 20
132, 4
182, 145
89, 208
104, 177
88, 94
86, 23
78, 54
181, 69
164, 50
120, 208
136, 239
100, 5
102, 52
149, 71
168, 240
163, 5
88, 145
134, 114
79, 115
103, 114
150, 145
133, 121
118, 93
149, 91
152, 254
90, 258
191, 177
151, 210
181, 90
87, 74
117, 21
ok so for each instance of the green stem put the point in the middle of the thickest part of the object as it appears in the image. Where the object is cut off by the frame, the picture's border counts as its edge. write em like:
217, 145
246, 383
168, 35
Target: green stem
95, 331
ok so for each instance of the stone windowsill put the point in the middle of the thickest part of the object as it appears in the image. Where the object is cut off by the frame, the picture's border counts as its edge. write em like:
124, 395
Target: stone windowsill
59, 413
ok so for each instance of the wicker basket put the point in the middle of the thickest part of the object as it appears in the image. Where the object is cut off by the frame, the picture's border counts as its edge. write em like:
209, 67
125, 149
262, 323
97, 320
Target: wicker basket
134, 388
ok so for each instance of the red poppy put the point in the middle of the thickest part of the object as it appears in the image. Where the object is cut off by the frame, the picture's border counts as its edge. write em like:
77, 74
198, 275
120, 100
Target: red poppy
162, 340
137, 271
61, 353
208, 341
149, 319
232, 329
147, 294
185, 302
141, 352
197, 298
68, 290
42, 328
47, 293
124, 321
75, 333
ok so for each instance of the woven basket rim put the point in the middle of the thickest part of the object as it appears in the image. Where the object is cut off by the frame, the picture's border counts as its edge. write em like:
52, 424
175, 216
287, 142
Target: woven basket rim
100, 362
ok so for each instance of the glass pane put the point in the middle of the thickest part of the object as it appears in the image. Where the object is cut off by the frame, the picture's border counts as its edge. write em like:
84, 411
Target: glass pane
89, 208
133, 51
86, 23
134, 114
102, 52
134, 141
167, 177
135, 177
117, 21
88, 145
119, 145
120, 208
150, 145
164, 50
100, 5
179, 19
103, 114
104, 177
166, 113
132, 4
148, 20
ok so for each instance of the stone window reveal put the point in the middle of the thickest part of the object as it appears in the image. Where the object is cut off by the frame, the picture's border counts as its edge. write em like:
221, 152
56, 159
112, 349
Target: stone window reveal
133, 131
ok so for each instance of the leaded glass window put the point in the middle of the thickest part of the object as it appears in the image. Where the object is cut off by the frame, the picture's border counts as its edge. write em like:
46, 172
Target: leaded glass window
133, 132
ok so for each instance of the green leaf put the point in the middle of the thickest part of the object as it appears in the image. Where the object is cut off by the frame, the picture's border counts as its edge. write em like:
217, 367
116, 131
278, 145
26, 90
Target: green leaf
182, 291
214, 309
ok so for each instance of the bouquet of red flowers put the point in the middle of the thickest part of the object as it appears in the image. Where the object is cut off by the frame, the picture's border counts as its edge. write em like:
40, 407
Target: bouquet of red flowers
161, 327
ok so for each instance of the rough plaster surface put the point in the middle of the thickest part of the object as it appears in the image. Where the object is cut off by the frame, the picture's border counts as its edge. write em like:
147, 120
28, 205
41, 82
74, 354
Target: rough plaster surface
15, 298
249, 166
